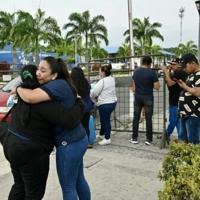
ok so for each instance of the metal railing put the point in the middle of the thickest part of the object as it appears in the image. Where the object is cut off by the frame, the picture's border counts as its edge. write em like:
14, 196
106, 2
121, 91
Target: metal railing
122, 117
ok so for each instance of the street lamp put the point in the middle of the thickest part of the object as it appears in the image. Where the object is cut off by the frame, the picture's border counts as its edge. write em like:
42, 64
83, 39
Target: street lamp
198, 8
130, 30
181, 15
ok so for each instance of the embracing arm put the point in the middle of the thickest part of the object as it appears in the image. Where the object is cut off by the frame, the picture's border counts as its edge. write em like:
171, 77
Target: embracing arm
56, 114
96, 91
33, 96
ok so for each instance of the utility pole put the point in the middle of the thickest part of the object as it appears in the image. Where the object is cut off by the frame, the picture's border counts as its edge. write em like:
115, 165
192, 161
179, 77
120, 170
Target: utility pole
131, 32
181, 15
198, 9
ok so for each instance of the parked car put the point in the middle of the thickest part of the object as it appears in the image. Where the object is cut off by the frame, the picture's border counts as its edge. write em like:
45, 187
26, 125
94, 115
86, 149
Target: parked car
5, 93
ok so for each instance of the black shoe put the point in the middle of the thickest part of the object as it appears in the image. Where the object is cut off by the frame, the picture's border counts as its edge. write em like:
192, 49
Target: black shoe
167, 138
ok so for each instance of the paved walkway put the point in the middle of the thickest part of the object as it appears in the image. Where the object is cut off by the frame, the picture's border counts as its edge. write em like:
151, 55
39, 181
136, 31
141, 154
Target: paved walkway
120, 171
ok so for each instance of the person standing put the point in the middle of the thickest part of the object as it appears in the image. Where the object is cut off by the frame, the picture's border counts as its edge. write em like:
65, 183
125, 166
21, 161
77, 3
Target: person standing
71, 145
28, 141
83, 89
144, 81
189, 102
172, 73
104, 92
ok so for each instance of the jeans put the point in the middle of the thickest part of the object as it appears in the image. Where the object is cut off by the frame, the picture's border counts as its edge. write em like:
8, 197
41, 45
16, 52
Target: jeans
29, 167
174, 121
105, 111
146, 102
70, 170
190, 129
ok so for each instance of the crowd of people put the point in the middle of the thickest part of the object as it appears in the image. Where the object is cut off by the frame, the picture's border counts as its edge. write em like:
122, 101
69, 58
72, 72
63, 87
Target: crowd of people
182, 77
53, 108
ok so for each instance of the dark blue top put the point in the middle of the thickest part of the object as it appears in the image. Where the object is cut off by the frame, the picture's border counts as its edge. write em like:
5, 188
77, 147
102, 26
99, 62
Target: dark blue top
144, 79
59, 90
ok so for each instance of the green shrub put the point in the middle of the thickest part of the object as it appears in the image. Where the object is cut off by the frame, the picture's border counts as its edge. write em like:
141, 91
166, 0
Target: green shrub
181, 173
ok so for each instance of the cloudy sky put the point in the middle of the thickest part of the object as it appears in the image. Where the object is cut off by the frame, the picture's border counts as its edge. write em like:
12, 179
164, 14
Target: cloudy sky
116, 17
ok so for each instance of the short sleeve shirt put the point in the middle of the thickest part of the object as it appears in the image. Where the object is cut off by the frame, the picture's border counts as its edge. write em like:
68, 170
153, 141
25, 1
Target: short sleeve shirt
59, 90
144, 79
189, 105
174, 90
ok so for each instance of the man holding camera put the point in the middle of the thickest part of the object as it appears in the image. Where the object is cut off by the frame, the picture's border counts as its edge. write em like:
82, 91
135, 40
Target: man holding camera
172, 73
189, 100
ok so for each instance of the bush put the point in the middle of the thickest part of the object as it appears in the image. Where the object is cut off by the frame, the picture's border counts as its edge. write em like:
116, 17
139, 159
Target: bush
181, 173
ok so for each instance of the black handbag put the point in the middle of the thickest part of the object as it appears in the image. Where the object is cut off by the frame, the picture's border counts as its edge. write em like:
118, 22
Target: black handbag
4, 126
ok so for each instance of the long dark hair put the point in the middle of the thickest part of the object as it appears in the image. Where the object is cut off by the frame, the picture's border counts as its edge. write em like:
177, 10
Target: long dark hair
29, 80
58, 66
106, 68
80, 82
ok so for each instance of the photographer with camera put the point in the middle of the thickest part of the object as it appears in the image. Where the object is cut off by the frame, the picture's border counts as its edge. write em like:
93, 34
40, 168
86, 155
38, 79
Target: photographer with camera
189, 101
172, 73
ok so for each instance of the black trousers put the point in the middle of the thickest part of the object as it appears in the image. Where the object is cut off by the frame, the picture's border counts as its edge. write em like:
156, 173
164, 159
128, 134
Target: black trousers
146, 102
29, 165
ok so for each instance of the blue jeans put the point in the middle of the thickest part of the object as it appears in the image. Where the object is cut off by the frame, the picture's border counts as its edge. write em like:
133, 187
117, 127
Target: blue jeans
190, 129
70, 170
105, 111
174, 121
140, 102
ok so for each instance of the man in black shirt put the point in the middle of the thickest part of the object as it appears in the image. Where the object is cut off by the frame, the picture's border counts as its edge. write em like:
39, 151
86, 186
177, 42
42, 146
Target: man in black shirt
172, 73
144, 81
189, 100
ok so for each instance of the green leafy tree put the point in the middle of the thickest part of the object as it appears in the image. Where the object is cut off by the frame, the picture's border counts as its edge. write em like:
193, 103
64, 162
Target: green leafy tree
91, 29
124, 50
36, 33
144, 32
188, 47
98, 52
7, 26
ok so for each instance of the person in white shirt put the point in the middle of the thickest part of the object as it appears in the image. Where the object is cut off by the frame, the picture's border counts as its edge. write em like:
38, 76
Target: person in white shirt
104, 94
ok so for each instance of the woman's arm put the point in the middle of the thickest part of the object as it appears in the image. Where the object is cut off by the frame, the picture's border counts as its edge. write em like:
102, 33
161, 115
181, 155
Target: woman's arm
96, 91
33, 96
57, 115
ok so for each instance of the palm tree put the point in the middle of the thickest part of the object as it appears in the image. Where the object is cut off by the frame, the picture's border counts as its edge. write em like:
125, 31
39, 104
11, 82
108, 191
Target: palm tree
124, 50
154, 50
92, 30
98, 52
144, 32
188, 47
7, 26
36, 32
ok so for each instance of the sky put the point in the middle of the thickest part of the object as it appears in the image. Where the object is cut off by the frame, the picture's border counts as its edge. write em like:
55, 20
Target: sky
116, 15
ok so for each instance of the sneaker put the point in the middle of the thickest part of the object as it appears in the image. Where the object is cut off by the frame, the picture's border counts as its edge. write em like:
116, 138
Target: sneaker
105, 142
148, 143
133, 141
167, 138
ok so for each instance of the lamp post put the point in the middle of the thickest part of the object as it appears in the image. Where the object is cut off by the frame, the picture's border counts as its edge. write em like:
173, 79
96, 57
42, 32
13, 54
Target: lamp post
181, 15
130, 31
198, 8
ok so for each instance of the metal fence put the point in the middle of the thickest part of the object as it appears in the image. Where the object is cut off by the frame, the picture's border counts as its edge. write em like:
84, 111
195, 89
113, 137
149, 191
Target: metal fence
122, 117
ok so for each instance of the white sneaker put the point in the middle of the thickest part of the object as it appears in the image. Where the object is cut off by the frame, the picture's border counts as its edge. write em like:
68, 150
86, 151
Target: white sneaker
148, 143
133, 141
105, 142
